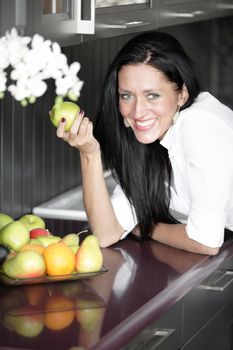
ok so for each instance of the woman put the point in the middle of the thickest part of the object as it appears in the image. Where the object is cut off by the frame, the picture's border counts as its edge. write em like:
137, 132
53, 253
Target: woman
168, 146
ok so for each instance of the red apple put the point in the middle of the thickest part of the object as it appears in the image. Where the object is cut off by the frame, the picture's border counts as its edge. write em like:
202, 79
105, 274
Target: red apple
37, 232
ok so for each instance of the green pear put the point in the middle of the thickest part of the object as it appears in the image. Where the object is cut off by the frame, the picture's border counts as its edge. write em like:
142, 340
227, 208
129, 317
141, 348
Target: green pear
71, 239
14, 235
4, 220
47, 240
27, 321
26, 264
89, 257
32, 221
74, 248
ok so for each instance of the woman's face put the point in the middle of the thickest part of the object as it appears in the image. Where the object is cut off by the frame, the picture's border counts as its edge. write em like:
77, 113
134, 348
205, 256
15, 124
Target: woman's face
148, 101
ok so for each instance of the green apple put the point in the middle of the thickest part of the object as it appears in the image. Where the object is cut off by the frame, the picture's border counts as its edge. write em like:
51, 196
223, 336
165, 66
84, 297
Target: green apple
47, 240
4, 220
27, 322
67, 110
25, 264
14, 235
32, 221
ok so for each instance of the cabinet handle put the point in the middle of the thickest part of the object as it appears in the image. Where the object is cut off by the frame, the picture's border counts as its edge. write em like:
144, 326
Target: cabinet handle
178, 14
218, 281
149, 339
184, 14
225, 6
126, 25
85, 16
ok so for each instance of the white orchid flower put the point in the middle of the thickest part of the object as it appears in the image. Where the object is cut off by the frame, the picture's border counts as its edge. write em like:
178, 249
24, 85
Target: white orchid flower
32, 61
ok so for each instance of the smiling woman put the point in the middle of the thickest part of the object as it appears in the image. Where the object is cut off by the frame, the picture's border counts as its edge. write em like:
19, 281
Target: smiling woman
167, 144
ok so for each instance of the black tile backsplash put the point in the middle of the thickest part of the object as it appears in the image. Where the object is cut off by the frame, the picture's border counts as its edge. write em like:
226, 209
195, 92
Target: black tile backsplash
36, 165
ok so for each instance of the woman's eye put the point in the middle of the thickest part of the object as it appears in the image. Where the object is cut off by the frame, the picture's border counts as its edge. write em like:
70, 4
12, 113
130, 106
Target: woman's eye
152, 96
124, 96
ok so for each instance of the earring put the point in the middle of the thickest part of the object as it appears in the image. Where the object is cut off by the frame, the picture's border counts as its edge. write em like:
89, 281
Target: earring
126, 123
176, 116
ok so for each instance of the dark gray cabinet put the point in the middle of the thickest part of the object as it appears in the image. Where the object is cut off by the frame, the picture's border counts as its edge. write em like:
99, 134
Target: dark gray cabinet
113, 18
202, 319
72, 22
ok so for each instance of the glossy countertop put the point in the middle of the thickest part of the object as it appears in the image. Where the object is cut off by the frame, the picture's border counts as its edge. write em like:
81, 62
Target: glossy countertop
144, 279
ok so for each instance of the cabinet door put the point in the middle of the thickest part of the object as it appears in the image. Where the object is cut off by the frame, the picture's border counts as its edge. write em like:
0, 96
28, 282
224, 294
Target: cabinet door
63, 20
172, 12
222, 7
14, 13
119, 17
208, 309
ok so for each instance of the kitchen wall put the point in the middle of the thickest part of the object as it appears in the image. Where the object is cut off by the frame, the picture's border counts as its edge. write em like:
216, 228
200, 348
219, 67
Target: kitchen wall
36, 165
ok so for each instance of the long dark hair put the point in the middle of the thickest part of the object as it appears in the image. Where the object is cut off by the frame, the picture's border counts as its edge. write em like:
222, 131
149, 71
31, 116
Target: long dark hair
143, 170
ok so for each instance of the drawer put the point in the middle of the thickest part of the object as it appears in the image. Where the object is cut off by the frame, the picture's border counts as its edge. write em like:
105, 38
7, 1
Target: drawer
216, 334
207, 300
162, 334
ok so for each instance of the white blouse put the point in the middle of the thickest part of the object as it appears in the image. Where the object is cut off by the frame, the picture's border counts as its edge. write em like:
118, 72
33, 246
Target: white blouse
200, 148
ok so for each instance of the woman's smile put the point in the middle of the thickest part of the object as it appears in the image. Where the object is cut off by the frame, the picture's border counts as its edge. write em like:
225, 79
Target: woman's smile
144, 124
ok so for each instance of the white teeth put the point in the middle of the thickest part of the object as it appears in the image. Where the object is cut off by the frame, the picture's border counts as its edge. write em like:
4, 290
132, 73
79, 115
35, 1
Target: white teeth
144, 123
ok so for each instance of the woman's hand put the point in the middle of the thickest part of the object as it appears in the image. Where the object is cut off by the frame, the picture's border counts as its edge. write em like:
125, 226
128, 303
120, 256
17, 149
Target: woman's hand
80, 134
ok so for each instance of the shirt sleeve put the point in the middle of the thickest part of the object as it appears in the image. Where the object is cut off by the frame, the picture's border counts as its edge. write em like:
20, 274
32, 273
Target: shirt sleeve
209, 169
124, 211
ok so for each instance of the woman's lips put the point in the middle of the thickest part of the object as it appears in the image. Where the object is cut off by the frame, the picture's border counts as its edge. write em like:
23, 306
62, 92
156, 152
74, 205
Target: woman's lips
144, 124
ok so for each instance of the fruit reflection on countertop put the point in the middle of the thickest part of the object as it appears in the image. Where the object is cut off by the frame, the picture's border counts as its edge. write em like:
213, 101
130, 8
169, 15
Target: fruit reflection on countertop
33, 308
59, 312
27, 322
33, 255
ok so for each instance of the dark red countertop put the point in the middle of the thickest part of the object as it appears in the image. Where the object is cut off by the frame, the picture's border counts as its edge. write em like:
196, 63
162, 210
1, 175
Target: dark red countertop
144, 279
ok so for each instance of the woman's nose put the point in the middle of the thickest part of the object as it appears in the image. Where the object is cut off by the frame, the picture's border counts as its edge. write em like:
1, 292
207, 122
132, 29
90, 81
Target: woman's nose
140, 108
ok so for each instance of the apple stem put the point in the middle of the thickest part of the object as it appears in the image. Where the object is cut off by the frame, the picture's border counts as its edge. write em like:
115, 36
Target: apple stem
81, 232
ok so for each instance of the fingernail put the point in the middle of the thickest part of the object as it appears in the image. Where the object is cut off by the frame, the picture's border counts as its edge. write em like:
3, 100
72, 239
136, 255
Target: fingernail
81, 112
63, 120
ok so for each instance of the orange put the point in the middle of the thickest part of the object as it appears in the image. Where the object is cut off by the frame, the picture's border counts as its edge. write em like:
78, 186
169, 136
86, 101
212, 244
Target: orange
59, 312
59, 259
32, 246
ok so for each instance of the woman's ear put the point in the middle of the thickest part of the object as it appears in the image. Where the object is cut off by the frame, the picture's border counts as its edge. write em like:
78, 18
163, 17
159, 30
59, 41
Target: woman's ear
183, 96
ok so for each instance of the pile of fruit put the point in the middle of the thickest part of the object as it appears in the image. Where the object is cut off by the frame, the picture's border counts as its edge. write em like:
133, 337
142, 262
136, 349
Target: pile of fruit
33, 251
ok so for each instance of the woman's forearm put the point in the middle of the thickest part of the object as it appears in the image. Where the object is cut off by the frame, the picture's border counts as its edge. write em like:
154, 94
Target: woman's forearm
175, 236
97, 202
